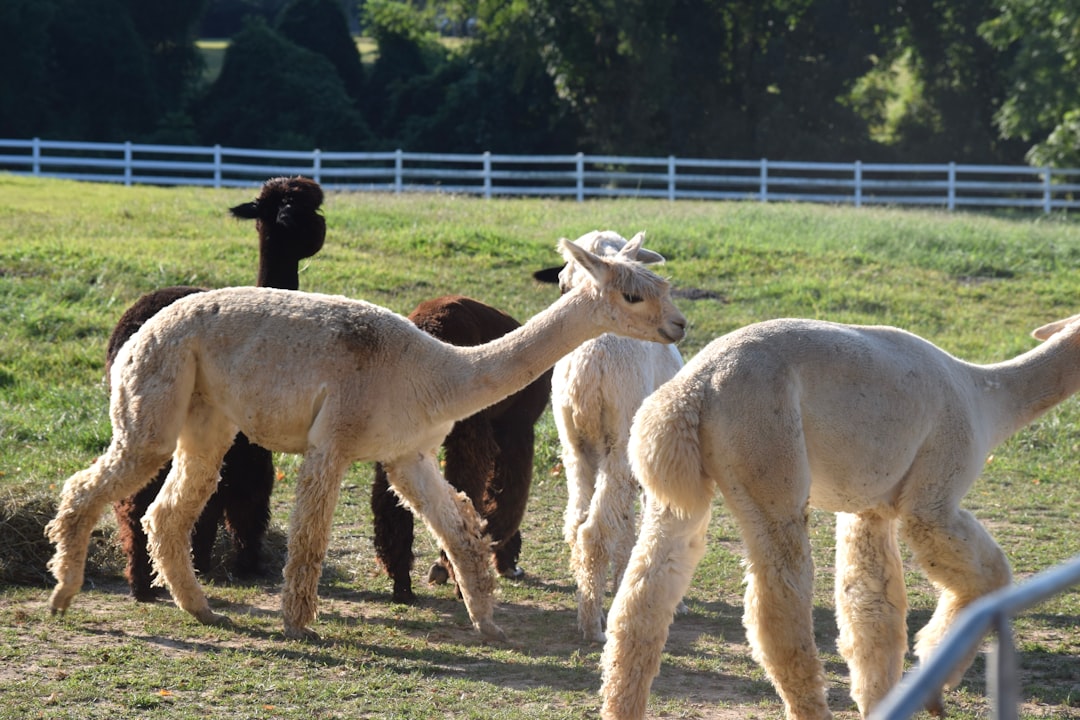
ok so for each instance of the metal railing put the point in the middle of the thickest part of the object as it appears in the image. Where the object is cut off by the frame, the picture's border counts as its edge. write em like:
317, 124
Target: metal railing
580, 176
991, 613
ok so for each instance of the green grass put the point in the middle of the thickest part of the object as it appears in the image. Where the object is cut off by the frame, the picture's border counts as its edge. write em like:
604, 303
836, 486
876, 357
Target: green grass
74, 256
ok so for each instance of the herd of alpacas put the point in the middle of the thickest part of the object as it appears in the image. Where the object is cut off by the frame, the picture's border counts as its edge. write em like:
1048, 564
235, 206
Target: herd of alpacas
871, 423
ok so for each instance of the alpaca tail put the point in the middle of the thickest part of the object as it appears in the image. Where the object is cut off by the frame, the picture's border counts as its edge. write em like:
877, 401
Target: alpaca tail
665, 450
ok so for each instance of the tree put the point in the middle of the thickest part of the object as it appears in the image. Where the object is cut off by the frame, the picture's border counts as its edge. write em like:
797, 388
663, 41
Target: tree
274, 94
24, 42
321, 26
1041, 41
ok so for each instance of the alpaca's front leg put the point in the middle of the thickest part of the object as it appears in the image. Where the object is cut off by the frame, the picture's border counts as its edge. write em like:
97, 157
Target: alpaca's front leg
452, 519
871, 605
658, 575
317, 490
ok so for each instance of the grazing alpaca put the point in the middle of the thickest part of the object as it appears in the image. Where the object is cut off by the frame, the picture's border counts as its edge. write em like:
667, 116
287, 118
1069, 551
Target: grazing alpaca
338, 380
488, 456
872, 423
290, 228
595, 391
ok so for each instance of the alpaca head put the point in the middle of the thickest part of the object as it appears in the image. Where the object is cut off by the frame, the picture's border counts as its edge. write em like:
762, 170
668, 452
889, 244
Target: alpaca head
638, 300
286, 214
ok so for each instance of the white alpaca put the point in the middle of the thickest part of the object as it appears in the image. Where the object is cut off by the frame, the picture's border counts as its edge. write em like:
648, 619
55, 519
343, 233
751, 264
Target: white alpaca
338, 380
872, 423
595, 391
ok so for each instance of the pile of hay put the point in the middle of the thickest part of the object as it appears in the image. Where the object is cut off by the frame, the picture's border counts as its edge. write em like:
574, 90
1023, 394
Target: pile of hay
26, 550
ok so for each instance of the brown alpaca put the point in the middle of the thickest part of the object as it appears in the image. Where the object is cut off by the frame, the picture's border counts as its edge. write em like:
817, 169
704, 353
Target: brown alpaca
340, 381
290, 228
488, 456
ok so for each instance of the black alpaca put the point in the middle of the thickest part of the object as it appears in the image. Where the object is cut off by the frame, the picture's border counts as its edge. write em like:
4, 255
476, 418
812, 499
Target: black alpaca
290, 228
489, 456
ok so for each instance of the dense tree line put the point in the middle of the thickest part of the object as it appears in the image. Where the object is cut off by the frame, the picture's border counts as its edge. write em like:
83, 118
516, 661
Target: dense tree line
889, 80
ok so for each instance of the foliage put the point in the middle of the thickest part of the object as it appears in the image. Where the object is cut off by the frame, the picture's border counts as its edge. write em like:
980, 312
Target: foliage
1042, 39
273, 93
320, 26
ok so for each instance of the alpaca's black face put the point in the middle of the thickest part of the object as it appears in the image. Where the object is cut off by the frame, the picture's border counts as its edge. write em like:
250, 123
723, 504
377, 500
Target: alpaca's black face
287, 216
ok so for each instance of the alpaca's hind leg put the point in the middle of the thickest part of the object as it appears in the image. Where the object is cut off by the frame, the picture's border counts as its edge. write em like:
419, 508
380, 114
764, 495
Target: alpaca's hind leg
871, 605
605, 540
778, 609
453, 520
317, 488
507, 496
123, 469
658, 575
963, 561
194, 476
133, 543
393, 536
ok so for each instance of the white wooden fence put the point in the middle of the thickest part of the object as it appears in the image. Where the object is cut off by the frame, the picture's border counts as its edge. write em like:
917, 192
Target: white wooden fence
945, 185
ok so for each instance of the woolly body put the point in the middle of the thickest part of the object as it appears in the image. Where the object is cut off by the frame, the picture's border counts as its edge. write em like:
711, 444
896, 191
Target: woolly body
872, 423
335, 379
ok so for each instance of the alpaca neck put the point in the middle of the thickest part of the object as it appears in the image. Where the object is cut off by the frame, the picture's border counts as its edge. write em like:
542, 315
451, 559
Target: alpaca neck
1036, 381
277, 272
499, 368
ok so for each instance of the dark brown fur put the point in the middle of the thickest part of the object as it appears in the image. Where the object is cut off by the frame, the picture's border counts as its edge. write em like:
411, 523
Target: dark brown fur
489, 456
290, 228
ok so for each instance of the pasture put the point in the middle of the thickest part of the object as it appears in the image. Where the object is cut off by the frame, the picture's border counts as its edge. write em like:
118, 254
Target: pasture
74, 256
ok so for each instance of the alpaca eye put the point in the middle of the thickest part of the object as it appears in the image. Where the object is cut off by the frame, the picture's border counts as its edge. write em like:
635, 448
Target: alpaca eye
632, 299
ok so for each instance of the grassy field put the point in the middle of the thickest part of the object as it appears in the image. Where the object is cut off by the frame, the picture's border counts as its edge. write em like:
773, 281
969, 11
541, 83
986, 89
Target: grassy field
74, 256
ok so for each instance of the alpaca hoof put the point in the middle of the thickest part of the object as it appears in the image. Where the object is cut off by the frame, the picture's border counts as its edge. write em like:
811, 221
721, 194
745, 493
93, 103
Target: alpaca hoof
490, 631
301, 633
596, 637
936, 706
682, 609
209, 617
513, 573
59, 601
438, 575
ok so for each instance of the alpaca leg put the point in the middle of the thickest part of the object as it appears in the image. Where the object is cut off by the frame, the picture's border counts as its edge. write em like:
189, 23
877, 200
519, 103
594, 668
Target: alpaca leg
604, 539
204, 534
133, 543
247, 483
661, 566
393, 535
963, 561
871, 605
193, 479
123, 469
453, 520
317, 490
778, 612
507, 495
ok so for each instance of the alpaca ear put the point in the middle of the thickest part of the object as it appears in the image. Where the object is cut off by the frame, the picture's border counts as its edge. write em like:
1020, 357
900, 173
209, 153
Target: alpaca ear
1047, 331
247, 211
548, 275
633, 250
588, 262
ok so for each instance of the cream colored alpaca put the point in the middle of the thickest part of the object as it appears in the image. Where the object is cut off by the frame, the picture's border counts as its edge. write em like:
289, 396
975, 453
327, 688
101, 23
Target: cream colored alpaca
872, 423
595, 391
339, 381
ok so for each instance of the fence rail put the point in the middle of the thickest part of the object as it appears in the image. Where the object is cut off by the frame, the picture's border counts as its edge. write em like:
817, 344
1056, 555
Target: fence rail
947, 185
991, 613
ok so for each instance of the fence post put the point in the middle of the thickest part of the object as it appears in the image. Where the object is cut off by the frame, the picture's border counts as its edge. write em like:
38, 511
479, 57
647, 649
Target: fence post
127, 163
951, 204
671, 178
858, 183
217, 166
316, 165
37, 155
1048, 201
580, 174
487, 174
399, 163
764, 193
